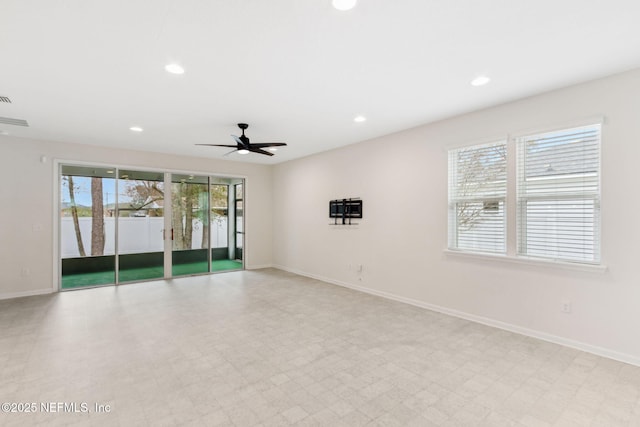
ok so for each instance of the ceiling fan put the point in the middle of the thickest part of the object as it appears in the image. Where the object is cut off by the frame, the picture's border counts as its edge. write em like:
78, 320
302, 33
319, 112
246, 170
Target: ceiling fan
243, 146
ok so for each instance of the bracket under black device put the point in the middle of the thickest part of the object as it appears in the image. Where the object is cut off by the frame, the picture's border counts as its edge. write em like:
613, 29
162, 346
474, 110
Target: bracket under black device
345, 210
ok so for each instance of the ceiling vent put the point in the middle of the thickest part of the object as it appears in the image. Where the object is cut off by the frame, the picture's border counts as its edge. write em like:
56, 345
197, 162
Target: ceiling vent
5, 99
14, 122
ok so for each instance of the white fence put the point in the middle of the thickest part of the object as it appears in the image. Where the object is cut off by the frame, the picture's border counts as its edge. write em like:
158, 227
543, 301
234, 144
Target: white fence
135, 234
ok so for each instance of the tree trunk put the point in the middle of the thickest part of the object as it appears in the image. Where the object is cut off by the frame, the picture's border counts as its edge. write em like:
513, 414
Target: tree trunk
203, 214
97, 217
205, 231
177, 217
74, 214
188, 226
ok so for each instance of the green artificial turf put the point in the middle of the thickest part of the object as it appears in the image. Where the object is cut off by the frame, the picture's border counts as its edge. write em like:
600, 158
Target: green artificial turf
98, 278
81, 280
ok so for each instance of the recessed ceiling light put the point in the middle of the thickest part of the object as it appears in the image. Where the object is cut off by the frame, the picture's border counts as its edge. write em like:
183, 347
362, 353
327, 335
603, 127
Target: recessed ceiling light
109, 171
174, 68
360, 119
480, 81
243, 151
272, 149
136, 129
344, 4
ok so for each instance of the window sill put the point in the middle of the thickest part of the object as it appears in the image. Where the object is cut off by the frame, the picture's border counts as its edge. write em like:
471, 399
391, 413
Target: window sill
528, 261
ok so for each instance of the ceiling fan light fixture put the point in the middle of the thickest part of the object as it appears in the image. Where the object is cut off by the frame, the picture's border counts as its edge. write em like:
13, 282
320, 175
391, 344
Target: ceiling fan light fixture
243, 151
174, 68
344, 4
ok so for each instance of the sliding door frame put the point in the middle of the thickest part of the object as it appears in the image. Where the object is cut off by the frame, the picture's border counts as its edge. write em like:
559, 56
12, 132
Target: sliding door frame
56, 285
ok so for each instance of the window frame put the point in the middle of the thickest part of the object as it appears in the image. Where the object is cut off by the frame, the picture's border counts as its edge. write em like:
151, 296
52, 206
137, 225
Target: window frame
454, 198
513, 253
576, 193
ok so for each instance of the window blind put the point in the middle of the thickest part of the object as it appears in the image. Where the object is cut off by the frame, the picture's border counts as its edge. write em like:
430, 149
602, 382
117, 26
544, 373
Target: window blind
558, 193
477, 191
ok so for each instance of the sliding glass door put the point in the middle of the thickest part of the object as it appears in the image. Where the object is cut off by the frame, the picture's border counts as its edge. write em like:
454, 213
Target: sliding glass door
125, 225
141, 226
87, 226
226, 225
219, 217
190, 224
239, 220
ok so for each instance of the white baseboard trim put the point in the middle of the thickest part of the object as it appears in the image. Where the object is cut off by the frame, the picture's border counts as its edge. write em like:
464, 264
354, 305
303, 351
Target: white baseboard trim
26, 293
599, 351
258, 267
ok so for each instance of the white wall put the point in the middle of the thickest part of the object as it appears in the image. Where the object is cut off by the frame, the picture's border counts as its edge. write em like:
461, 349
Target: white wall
27, 194
402, 179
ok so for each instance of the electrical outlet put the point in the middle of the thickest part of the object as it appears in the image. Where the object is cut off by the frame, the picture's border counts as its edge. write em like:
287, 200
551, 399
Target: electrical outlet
566, 307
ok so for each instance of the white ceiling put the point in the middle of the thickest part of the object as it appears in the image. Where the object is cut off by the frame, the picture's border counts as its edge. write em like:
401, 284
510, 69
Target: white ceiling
298, 71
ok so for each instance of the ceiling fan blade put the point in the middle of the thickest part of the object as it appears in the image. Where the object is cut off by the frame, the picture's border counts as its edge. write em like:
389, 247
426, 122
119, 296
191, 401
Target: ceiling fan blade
218, 145
239, 140
244, 144
254, 149
269, 144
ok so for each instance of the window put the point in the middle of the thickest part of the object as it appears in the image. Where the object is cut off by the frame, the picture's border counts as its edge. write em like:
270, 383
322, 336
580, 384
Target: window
556, 206
558, 193
477, 191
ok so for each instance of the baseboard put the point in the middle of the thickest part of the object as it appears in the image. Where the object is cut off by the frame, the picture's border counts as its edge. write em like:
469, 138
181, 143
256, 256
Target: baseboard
26, 294
599, 351
258, 267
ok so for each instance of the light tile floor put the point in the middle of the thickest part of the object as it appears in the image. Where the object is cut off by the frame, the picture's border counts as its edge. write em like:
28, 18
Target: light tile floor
269, 348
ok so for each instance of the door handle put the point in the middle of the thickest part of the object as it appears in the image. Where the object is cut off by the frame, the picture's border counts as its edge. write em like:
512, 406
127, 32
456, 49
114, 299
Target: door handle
164, 234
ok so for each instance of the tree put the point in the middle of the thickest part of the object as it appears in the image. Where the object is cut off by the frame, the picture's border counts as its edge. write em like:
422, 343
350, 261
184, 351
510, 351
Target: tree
203, 216
74, 214
219, 204
97, 217
144, 193
481, 169
190, 202
183, 195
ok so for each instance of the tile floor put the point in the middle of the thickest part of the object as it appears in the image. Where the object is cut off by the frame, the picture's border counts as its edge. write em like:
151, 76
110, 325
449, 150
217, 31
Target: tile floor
269, 348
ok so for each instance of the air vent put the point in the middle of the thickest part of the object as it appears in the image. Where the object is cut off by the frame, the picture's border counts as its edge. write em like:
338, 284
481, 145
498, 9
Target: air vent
14, 122
5, 99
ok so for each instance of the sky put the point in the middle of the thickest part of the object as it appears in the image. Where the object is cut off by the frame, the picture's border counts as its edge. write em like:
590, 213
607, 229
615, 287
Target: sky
83, 191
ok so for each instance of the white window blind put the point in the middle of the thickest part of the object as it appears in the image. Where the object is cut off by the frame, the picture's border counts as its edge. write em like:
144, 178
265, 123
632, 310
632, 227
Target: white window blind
477, 191
558, 193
